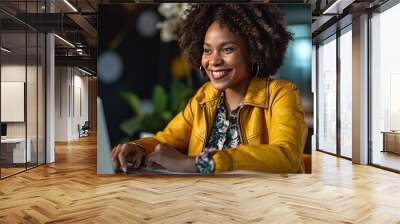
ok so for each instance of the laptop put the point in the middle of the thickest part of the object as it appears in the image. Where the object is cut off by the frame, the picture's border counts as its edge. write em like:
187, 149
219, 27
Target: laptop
104, 163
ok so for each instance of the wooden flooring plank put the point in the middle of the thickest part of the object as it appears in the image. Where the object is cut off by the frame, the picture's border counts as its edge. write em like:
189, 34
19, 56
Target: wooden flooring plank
70, 191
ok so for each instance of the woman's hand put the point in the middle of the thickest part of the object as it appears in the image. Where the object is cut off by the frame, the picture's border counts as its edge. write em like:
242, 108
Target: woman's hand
171, 159
123, 153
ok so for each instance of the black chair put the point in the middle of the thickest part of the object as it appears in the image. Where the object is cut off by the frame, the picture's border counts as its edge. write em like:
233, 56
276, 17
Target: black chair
84, 130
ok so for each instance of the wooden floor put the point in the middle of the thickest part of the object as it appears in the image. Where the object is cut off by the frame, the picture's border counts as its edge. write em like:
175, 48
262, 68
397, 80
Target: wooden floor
5, 172
10, 171
387, 159
70, 191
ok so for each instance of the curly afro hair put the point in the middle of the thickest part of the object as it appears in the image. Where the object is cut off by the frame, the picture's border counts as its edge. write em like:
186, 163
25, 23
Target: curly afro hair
261, 25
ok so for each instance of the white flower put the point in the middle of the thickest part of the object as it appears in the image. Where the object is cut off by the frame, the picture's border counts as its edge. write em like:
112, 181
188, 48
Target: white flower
168, 30
169, 10
173, 12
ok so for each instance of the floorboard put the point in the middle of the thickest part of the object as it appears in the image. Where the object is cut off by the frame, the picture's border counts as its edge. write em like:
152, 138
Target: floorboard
70, 191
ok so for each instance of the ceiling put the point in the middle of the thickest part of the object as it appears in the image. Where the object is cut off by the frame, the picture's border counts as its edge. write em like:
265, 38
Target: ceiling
76, 22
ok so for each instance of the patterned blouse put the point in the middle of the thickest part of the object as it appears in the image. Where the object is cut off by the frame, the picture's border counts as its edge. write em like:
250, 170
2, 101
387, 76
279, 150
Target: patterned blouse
224, 134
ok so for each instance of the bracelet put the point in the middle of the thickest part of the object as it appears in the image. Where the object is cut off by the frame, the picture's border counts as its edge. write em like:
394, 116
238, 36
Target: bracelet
204, 162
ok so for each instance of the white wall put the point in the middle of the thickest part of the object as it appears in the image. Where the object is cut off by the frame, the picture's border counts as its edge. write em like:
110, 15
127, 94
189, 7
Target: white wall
61, 103
71, 94
13, 72
16, 73
33, 127
81, 103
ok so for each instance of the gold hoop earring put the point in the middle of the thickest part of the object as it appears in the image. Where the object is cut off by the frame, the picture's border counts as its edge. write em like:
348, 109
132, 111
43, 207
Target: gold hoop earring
258, 69
202, 71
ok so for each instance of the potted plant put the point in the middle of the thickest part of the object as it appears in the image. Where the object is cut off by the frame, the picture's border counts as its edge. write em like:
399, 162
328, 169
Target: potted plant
165, 107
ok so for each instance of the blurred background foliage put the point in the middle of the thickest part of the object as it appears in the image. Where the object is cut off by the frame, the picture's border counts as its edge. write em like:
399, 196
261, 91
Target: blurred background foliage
166, 106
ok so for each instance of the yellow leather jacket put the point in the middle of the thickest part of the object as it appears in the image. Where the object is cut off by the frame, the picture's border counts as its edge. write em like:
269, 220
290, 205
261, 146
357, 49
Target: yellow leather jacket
271, 125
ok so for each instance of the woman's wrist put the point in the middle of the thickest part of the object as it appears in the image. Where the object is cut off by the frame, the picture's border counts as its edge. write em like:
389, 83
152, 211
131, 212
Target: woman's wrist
204, 162
140, 147
191, 165
143, 150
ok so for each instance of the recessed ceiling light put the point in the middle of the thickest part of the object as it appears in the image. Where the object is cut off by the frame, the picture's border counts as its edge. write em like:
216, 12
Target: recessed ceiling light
337, 7
84, 71
70, 5
65, 41
5, 50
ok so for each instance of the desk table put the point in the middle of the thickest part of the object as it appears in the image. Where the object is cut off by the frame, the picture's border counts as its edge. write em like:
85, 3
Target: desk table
13, 150
391, 141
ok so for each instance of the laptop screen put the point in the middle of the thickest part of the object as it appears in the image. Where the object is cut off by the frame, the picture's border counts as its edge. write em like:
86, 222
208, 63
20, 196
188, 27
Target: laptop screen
104, 163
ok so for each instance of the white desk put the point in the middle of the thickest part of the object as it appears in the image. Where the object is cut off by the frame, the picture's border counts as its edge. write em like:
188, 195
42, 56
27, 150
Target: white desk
16, 147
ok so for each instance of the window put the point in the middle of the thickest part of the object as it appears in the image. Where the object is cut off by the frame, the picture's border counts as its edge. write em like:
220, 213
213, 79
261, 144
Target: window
385, 89
327, 95
346, 93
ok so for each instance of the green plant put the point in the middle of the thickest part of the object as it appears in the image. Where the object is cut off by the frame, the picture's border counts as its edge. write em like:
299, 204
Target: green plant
166, 106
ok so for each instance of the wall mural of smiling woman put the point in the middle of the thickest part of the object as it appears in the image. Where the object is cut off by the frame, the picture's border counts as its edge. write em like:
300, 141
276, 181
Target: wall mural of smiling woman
239, 111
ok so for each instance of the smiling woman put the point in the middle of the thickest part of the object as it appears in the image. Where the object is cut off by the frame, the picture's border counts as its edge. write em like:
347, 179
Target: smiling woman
225, 59
241, 119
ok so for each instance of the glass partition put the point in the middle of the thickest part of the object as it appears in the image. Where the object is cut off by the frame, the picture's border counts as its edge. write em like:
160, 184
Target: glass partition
32, 95
346, 93
41, 91
22, 91
385, 89
14, 153
41, 88
327, 95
